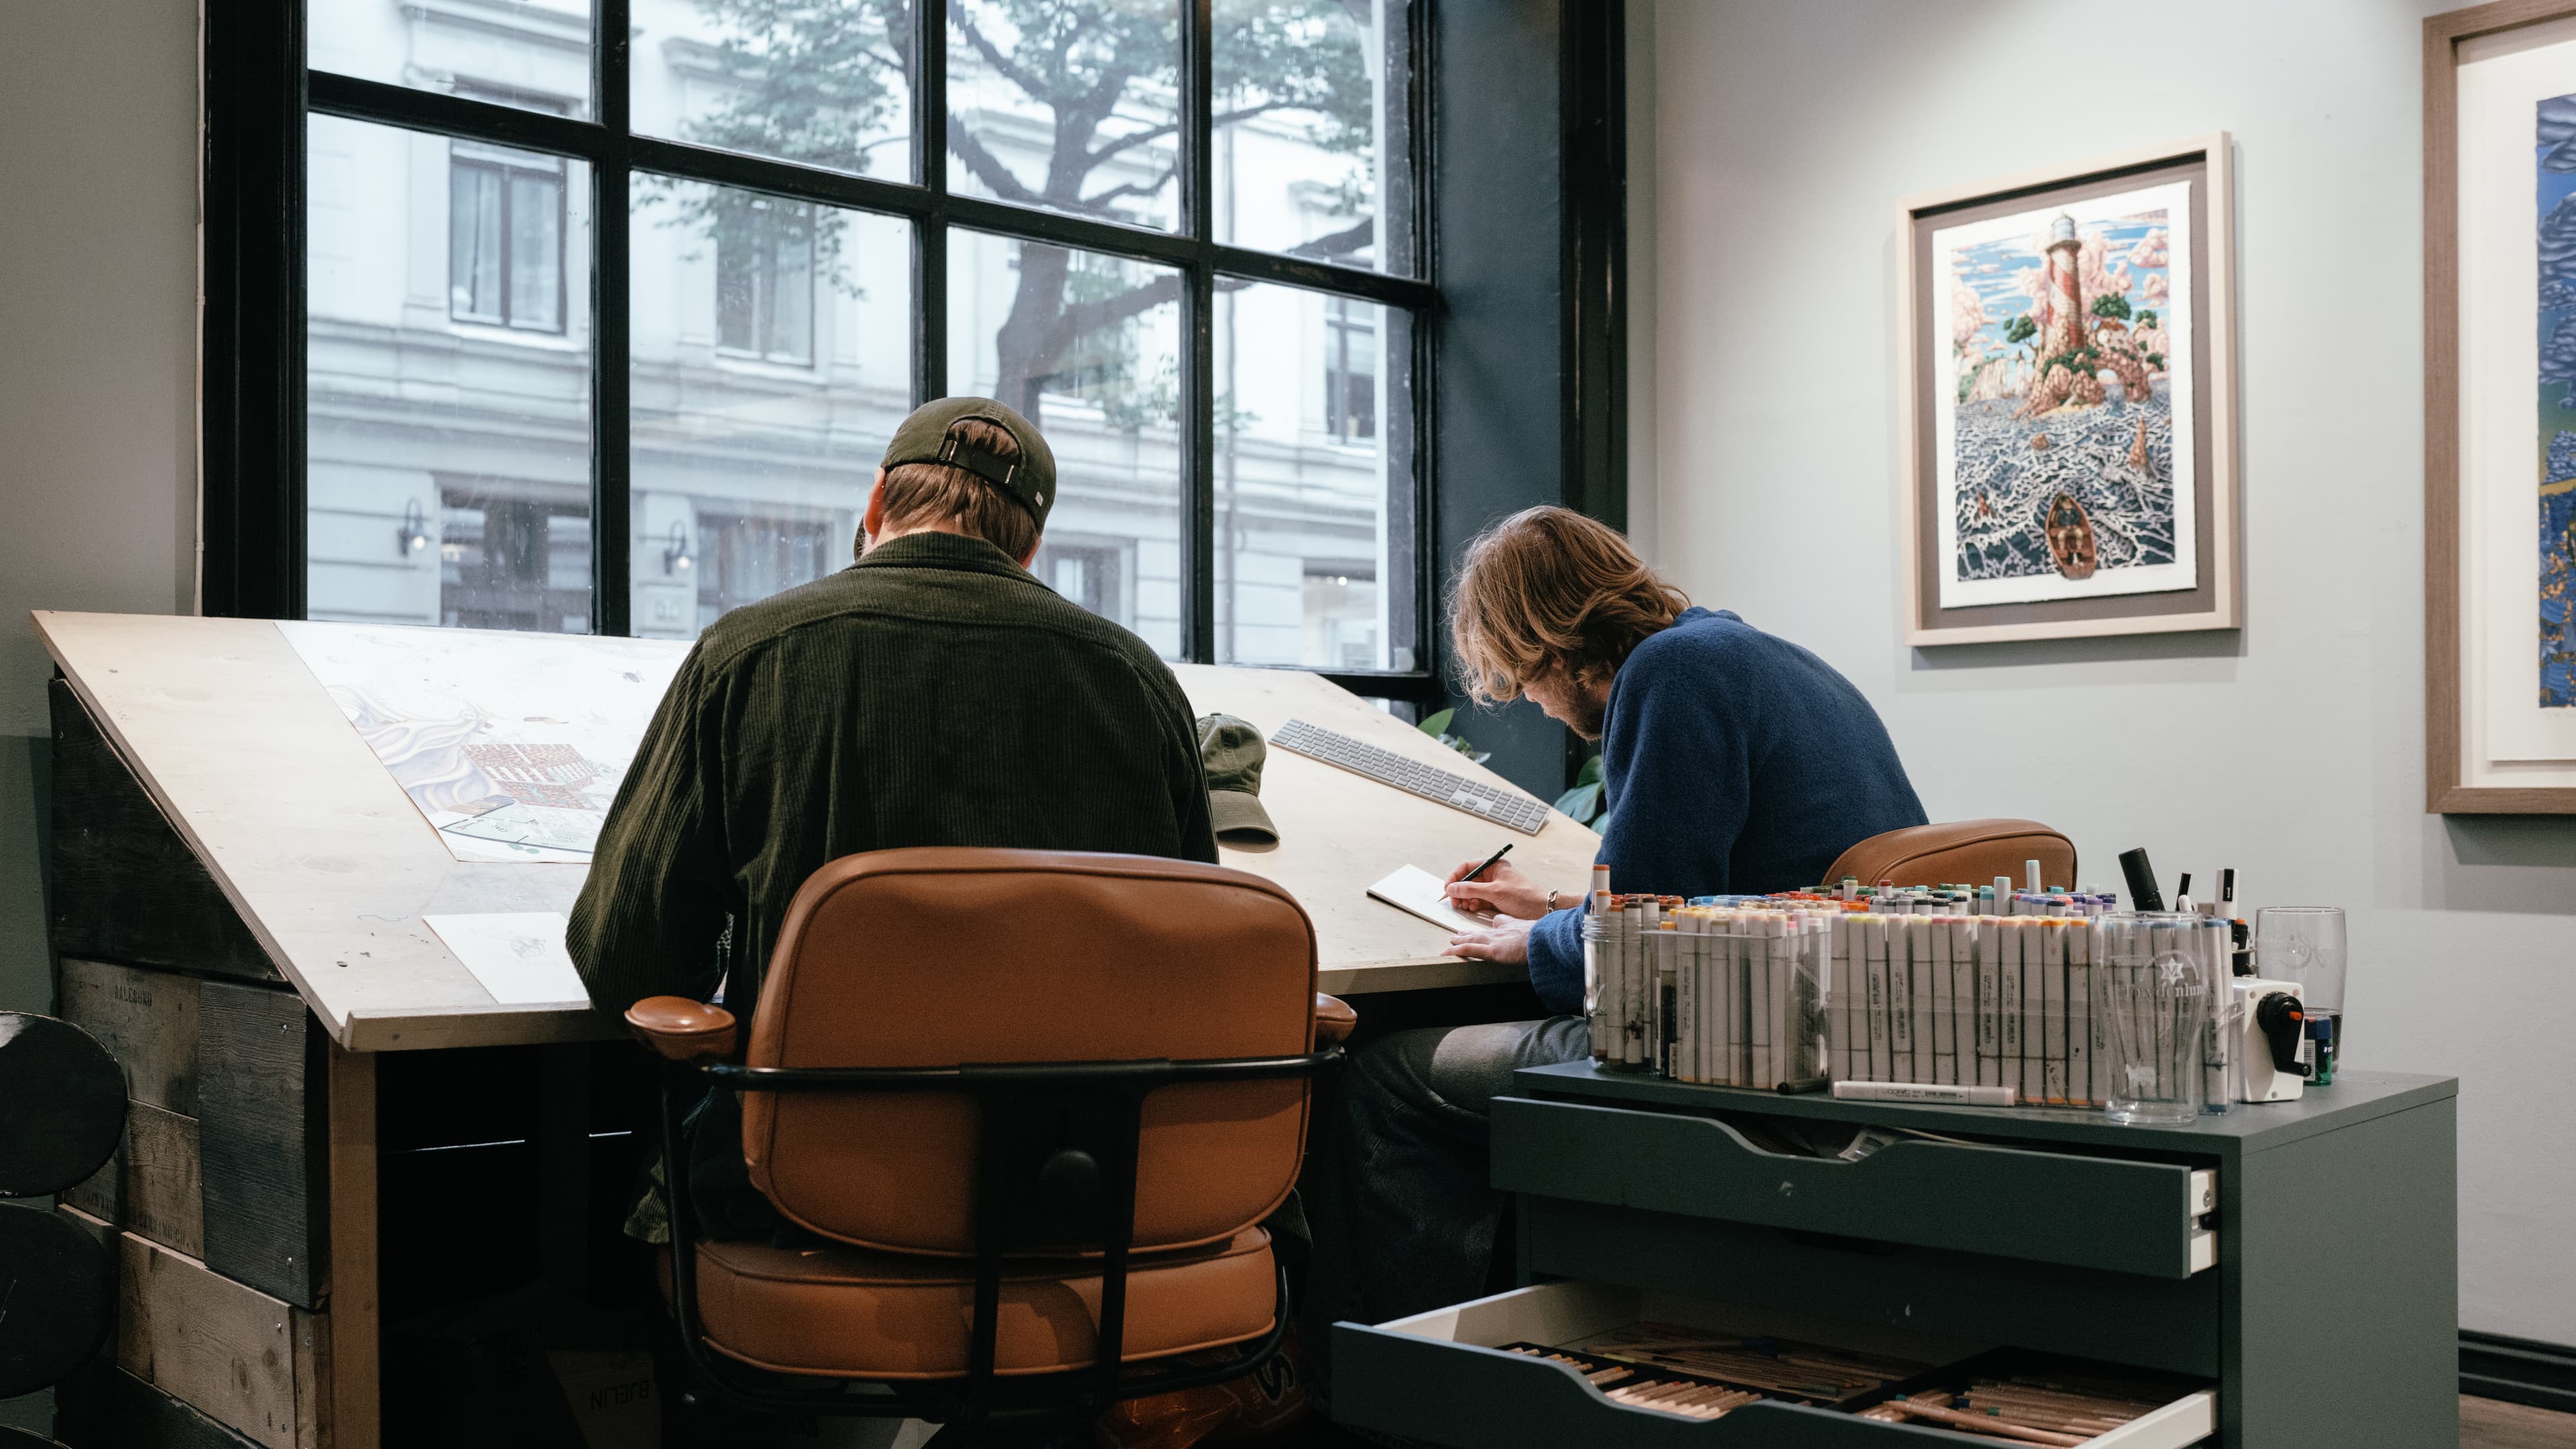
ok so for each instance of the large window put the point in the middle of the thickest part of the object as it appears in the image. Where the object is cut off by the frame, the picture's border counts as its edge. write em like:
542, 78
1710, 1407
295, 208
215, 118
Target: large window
610, 339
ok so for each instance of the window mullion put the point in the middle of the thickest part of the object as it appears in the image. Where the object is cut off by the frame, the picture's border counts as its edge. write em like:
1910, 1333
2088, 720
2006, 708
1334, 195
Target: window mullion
930, 232
612, 465
1200, 547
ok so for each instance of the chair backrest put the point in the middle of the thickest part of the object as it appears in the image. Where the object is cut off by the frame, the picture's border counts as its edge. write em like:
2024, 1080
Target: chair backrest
1965, 851
944, 956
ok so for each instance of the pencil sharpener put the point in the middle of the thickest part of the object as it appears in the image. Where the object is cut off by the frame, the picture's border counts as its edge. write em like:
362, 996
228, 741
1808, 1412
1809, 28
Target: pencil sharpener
2270, 1022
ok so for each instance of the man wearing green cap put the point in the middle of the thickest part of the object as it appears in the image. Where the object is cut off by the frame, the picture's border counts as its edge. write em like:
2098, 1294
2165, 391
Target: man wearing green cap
932, 693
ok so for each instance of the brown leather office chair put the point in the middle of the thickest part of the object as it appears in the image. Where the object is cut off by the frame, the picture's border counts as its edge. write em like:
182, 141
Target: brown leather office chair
1962, 851
1039, 1104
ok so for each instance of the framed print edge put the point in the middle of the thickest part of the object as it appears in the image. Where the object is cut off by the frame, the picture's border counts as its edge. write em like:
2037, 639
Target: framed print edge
2214, 151
2446, 741
1909, 508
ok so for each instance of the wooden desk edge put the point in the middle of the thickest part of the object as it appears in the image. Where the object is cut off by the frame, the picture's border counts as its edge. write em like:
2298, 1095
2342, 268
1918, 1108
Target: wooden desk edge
113, 732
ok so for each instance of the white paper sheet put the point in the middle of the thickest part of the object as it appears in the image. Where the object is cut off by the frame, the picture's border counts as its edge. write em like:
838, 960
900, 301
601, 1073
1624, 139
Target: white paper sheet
1418, 892
519, 956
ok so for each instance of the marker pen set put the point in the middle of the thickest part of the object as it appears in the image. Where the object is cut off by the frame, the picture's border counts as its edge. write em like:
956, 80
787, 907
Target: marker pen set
1883, 996
1723, 995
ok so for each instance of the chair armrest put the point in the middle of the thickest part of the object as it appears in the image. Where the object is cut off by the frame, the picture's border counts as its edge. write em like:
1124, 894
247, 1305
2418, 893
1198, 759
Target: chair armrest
1333, 1018
681, 1029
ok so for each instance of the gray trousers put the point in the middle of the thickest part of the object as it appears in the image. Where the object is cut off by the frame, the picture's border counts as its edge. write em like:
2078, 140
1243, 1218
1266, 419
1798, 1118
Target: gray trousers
1397, 1185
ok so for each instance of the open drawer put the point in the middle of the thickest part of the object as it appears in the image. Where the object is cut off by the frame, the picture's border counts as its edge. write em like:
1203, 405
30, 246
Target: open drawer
2043, 1206
1445, 1377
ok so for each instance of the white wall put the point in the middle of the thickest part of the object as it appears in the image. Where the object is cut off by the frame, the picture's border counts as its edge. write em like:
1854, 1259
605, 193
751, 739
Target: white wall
1783, 136
98, 367
98, 384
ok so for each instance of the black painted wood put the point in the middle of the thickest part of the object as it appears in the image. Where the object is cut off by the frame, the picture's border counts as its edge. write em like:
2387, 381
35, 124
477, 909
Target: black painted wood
261, 1134
62, 1105
104, 1407
126, 887
61, 1297
2048, 1207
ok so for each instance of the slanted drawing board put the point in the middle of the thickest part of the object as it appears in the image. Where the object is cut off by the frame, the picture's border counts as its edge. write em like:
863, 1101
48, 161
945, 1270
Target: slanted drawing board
331, 867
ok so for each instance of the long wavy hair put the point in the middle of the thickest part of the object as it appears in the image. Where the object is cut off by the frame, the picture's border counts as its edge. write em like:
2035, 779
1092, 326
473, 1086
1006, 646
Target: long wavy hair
1548, 586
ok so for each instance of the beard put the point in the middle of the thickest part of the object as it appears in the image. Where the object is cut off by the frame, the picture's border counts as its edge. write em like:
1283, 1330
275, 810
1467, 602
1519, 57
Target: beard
1588, 717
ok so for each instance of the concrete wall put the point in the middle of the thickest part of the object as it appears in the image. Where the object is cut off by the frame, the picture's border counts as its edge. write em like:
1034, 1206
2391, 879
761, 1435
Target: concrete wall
98, 380
1782, 138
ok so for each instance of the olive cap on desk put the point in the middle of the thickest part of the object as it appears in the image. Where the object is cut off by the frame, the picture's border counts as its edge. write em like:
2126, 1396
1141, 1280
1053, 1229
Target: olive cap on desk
923, 438
1231, 754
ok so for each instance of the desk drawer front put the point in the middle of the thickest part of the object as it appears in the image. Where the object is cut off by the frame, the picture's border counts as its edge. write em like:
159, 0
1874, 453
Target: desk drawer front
2047, 1207
1437, 1377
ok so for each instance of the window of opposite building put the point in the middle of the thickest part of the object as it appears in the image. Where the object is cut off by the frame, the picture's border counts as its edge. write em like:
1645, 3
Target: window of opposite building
628, 329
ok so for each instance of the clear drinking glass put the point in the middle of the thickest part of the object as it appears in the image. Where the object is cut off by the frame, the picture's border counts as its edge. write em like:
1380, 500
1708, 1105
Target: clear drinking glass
2152, 985
2306, 945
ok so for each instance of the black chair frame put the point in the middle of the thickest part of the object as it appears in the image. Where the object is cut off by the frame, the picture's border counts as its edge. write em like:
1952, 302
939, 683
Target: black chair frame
1055, 1175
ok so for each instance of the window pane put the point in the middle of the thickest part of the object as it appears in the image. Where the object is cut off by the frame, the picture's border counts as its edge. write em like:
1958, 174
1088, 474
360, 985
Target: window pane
1312, 140
449, 460
536, 251
1314, 480
750, 476
825, 85
1026, 80
534, 54
1088, 346
474, 243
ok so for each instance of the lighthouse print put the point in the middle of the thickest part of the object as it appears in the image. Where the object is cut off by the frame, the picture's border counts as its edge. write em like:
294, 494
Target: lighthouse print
2064, 401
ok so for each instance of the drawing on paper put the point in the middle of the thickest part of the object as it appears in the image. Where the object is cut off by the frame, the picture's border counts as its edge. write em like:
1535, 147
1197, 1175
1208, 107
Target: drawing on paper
2555, 150
2064, 390
510, 745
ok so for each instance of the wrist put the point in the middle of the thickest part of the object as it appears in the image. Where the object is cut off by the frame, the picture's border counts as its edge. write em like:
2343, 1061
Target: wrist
1551, 900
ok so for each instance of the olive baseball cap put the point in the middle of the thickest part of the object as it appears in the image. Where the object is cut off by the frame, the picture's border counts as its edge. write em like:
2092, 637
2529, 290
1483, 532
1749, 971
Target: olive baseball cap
1231, 753
923, 438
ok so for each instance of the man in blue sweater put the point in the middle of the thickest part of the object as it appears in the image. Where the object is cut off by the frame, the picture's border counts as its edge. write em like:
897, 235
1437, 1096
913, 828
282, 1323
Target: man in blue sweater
1732, 762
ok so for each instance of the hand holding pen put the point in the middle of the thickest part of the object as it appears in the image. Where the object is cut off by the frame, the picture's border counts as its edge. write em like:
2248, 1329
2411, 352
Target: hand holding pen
1494, 886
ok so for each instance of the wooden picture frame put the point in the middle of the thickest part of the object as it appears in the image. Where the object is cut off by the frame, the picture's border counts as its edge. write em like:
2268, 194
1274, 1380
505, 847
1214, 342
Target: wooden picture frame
2171, 561
2469, 768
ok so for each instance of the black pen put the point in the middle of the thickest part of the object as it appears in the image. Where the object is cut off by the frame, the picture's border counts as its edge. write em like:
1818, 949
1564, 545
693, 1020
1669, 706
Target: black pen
1489, 862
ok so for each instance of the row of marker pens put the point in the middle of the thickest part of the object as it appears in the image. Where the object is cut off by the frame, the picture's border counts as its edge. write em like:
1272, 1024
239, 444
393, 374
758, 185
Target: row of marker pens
1871, 990
1725, 995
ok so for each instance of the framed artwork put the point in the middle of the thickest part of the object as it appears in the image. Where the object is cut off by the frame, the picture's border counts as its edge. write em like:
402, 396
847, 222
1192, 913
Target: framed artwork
2069, 401
2500, 409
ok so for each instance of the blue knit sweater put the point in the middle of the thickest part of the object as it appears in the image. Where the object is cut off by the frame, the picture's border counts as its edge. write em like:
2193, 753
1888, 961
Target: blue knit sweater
1733, 763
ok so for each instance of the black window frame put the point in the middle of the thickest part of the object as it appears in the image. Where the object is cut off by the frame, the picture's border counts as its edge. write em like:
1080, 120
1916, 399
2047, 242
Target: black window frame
258, 94
1519, 367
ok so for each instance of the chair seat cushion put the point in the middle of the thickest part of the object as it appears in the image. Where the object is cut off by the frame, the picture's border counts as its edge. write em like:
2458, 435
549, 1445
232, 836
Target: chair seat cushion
852, 1313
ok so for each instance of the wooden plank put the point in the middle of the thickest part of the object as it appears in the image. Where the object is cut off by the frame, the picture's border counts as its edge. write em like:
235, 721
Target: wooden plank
237, 1355
260, 1140
355, 1408
104, 1407
126, 886
151, 1185
147, 1020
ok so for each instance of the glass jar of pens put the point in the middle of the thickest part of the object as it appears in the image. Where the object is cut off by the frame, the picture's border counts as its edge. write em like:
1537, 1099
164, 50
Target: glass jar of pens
2156, 1016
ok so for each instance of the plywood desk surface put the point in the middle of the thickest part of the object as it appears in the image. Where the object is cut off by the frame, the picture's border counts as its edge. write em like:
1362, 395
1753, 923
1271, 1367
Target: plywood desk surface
332, 868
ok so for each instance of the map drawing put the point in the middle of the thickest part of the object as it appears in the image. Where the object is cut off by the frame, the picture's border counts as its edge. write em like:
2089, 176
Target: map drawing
2063, 401
511, 745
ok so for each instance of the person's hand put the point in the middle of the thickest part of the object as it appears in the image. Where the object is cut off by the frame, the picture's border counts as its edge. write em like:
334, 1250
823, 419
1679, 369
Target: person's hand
1507, 941
1501, 890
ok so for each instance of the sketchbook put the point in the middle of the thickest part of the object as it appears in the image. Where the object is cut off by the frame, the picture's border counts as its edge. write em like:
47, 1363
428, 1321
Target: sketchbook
1418, 892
